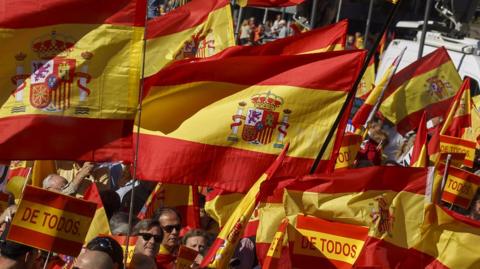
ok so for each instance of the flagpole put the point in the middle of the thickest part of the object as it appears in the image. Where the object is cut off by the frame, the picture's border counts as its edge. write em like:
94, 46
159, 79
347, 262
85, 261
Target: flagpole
424, 29
353, 91
265, 14
339, 9
382, 93
313, 14
239, 18
139, 118
367, 26
46, 260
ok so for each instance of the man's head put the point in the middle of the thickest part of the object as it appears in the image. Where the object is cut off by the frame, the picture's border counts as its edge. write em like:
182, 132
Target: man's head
170, 221
197, 240
108, 246
93, 259
54, 182
14, 255
150, 236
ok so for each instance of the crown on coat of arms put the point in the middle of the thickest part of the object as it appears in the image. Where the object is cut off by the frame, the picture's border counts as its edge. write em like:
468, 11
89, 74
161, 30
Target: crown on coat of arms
20, 56
49, 46
267, 100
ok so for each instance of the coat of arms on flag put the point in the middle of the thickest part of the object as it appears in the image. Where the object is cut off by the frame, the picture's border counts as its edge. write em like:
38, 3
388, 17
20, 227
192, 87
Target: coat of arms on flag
53, 75
382, 216
200, 45
261, 120
438, 87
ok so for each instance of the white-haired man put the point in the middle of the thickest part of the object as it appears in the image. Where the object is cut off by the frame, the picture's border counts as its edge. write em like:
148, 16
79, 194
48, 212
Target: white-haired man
57, 183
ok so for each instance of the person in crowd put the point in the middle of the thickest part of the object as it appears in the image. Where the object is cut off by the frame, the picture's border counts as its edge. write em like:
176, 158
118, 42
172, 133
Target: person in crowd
245, 33
170, 222
150, 236
475, 207
17, 256
119, 223
259, 35
57, 183
276, 22
153, 9
197, 239
282, 29
372, 148
350, 43
140, 261
93, 259
110, 247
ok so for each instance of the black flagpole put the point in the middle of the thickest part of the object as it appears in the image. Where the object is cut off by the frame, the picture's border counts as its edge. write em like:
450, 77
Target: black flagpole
353, 91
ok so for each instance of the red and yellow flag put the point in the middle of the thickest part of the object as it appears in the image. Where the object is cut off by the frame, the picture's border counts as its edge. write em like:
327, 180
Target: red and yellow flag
41, 169
388, 200
69, 78
460, 187
224, 245
419, 154
184, 198
375, 96
99, 223
328, 38
122, 240
325, 243
450, 144
196, 29
51, 221
252, 106
459, 115
367, 84
428, 84
348, 150
273, 259
17, 177
269, 3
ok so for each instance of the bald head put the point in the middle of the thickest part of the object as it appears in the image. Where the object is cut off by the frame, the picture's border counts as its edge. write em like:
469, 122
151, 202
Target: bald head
92, 259
140, 261
54, 182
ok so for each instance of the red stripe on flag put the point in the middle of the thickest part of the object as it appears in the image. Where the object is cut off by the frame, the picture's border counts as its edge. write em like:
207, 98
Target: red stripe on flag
65, 138
209, 165
31, 14
287, 70
43, 241
59, 201
376, 178
183, 18
455, 199
344, 230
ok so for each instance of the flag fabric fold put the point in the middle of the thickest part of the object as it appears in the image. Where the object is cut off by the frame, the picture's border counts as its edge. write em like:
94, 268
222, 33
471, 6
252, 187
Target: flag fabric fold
419, 154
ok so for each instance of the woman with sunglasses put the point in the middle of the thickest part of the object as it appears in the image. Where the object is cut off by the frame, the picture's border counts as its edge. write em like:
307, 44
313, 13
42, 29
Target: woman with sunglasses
150, 236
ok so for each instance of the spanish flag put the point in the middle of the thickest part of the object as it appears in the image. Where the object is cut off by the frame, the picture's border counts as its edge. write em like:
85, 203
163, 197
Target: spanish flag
197, 29
328, 38
69, 78
252, 106
220, 204
376, 95
99, 223
459, 114
388, 200
428, 84
326, 244
367, 84
269, 3
224, 245
274, 258
183, 198
17, 177
419, 154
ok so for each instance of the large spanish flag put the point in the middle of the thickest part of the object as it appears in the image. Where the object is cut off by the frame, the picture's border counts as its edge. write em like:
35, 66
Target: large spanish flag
425, 85
197, 29
269, 3
69, 78
328, 38
388, 200
224, 245
220, 123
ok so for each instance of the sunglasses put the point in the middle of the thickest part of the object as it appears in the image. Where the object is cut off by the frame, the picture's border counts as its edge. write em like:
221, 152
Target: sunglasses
169, 228
147, 237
